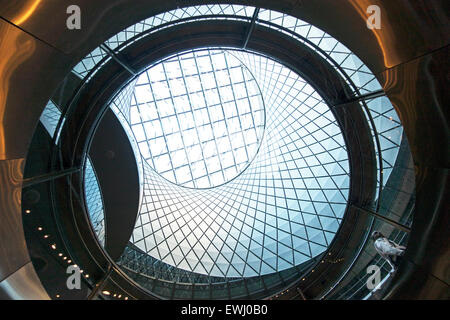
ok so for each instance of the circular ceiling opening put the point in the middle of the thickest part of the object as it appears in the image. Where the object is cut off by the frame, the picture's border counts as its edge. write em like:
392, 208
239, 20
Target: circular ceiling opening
199, 113
198, 117
216, 204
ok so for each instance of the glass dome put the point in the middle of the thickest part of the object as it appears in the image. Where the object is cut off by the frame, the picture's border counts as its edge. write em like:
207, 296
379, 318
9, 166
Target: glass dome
285, 197
281, 206
198, 117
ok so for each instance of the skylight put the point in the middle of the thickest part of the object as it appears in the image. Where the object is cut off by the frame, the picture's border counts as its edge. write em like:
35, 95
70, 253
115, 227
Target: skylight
284, 205
198, 117
286, 195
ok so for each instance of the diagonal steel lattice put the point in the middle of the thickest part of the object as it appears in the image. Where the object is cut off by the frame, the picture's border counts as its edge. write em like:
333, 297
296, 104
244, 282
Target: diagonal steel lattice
281, 210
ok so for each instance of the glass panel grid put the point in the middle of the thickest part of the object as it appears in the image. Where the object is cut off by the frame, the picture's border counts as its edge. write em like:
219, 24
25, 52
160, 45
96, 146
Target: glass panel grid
94, 202
389, 131
50, 117
351, 65
281, 211
198, 117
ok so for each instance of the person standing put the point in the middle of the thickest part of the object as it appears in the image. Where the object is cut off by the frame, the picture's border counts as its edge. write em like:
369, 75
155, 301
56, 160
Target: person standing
388, 249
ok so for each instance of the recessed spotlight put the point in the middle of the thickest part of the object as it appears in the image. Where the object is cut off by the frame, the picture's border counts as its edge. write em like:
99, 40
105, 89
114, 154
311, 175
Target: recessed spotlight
27, 211
53, 246
106, 293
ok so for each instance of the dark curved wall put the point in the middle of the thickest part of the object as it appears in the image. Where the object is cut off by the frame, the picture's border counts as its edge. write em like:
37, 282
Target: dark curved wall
409, 55
113, 158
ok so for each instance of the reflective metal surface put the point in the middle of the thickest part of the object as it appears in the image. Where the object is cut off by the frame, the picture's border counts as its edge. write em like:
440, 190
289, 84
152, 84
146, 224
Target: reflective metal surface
25, 61
18, 279
414, 89
23, 285
13, 250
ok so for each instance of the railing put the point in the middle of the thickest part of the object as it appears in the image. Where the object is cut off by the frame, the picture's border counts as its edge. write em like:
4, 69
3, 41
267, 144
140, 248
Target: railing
394, 221
173, 283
